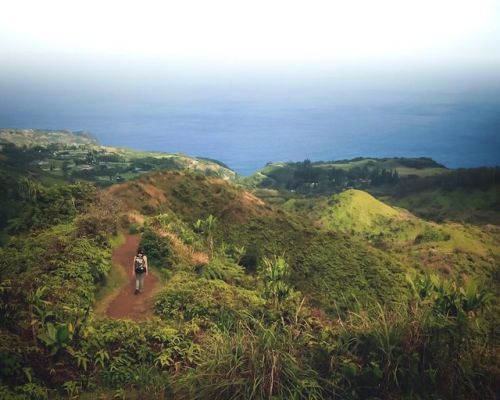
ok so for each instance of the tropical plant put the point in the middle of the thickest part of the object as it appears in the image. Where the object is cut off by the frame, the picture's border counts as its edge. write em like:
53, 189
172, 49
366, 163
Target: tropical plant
207, 227
275, 273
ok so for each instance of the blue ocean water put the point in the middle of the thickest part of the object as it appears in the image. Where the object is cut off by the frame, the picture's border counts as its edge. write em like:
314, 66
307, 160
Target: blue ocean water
247, 129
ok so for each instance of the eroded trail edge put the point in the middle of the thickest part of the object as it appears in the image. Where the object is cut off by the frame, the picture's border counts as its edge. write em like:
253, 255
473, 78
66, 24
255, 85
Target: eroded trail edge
127, 305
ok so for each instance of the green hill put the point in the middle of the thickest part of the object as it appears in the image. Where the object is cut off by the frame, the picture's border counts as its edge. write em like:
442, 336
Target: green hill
358, 211
454, 249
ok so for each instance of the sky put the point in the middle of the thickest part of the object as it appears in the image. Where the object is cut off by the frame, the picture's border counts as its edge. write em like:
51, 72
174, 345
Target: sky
250, 34
70, 64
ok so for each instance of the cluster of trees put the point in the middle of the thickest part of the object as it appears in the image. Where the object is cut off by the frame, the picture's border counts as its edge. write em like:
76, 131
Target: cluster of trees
463, 178
313, 177
317, 177
41, 207
19, 157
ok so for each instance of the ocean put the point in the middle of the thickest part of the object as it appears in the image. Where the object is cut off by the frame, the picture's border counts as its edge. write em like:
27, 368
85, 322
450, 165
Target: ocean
248, 128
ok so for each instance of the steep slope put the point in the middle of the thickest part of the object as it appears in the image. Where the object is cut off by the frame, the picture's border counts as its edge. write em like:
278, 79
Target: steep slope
358, 211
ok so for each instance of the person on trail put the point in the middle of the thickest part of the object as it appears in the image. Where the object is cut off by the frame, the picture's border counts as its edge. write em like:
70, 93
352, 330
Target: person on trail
140, 269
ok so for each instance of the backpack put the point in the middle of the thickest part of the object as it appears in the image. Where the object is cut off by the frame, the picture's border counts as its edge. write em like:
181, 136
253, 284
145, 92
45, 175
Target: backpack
140, 266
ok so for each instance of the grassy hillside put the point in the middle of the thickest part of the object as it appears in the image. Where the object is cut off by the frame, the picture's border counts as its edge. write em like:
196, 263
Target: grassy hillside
358, 211
449, 248
481, 206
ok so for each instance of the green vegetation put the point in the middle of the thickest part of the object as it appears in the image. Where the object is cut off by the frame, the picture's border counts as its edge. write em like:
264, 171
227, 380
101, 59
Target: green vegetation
327, 177
449, 248
478, 206
339, 297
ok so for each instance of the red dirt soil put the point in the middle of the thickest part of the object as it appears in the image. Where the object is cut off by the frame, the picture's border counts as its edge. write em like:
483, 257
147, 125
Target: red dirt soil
127, 305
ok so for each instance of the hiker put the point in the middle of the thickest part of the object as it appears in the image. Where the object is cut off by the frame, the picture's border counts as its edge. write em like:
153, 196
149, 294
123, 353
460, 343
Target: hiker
140, 269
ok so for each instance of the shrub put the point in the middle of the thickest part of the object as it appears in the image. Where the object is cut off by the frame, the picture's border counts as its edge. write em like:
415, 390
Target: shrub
275, 274
222, 268
157, 248
431, 235
186, 299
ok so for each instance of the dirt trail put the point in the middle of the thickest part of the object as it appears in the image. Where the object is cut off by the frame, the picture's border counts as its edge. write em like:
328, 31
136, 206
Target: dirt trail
127, 305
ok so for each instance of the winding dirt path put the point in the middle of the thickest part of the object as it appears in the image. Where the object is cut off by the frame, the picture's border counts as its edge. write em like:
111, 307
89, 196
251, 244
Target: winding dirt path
127, 305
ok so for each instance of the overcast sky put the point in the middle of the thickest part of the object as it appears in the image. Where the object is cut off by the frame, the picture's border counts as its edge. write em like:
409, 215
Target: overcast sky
249, 35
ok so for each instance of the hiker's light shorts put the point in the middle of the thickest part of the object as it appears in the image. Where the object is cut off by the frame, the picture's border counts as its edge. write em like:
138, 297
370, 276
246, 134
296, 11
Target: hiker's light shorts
139, 282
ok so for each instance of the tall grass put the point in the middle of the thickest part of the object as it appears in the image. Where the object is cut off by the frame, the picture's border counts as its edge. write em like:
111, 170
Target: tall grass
254, 360
437, 346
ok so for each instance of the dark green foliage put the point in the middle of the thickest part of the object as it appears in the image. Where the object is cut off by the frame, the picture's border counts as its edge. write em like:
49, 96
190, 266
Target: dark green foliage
157, 249
431, 235
320, 177
205, 298
48, 288
331, 268
44, 207
250, 259
435, 347
462, 178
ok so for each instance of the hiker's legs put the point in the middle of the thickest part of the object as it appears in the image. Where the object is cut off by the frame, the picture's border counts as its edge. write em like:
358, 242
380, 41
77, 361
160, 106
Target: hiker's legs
141, 282
137, 278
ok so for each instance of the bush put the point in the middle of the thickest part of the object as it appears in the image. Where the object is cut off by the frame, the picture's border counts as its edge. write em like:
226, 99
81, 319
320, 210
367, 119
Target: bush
157, 248
431, 235
134, 229
186, 299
